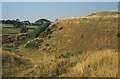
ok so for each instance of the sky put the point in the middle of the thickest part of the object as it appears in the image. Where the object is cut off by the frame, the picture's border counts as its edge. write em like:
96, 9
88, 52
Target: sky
33, 11
59, 0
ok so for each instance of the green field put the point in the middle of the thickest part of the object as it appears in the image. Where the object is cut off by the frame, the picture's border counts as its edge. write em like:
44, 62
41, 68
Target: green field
10, 30
7, 29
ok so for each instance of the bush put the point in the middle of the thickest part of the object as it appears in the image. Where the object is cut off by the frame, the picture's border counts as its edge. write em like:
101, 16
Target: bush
42, 36
8, 40
49, 37
118, 35
37, 32
9, 48
41, 22
46, 44
30, 45
17, 24
34, 44
16, 44
60, 28
48, 31
53, 26
68, 54
23, 30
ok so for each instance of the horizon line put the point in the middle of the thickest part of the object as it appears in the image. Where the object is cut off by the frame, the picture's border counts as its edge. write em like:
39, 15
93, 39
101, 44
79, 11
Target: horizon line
63, 17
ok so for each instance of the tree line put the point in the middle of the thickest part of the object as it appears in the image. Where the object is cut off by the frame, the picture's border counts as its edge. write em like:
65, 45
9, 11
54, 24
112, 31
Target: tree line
27, 22
22, 24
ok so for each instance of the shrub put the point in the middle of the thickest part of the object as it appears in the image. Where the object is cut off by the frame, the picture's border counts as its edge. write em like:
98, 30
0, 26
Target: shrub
30, 45
34, 44
42, 35
68, 54
9, 47
8, 39
23, 30
48, 29
46, 44
53, 26
60, 28
16, 44
41, 22
37, 32
118, 35
17, 24
49, 37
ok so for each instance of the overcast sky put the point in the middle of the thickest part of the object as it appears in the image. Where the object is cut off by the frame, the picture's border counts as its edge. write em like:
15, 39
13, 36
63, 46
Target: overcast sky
52, 10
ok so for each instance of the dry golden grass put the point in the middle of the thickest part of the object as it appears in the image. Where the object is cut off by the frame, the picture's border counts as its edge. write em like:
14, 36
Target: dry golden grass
95, 36
102, 63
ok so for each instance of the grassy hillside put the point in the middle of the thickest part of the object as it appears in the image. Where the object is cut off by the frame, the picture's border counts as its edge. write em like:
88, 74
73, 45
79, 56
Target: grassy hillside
86, 33
70, 47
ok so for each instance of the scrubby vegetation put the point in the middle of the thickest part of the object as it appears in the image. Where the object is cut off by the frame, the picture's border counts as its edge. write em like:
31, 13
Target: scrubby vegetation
34, 43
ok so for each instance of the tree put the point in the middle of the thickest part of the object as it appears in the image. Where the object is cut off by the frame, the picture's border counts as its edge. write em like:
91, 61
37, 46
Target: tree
3, 21
41, 22
17, 24
56, 19
12, 21
23, 28
17, 20
27, 22
37, 32
7, 21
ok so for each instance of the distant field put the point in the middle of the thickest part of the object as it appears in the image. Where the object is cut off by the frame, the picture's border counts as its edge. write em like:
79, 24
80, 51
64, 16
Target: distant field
31, 26
10, 30
7, 25
7, 29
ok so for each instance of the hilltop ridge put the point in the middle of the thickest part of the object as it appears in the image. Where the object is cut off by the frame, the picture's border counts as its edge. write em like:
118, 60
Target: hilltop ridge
96, 14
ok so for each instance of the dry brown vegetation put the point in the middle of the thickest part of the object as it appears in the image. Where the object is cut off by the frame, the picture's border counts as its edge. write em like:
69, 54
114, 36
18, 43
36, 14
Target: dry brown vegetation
78, 47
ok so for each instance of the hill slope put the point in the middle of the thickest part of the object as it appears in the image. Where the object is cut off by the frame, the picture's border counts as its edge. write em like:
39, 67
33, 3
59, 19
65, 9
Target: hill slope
87, 33
78, 46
